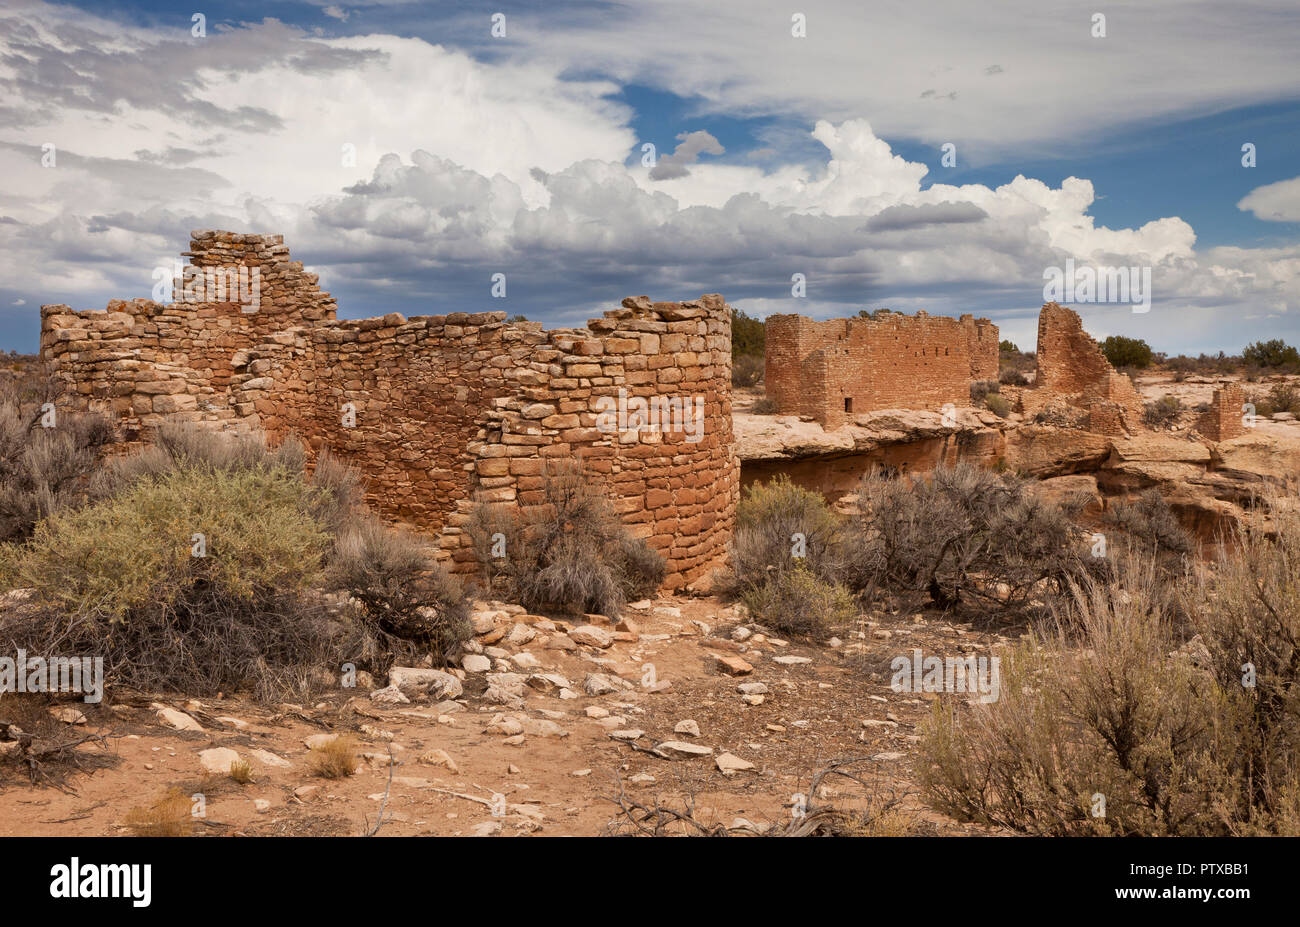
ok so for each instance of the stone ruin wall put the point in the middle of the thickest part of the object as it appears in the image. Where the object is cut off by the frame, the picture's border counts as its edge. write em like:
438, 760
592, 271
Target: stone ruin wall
436, 411
141, 361
1223, 420
1072, 368
834, 370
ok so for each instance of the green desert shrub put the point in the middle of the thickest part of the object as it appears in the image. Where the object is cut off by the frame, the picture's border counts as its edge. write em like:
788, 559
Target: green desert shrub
1281, 397
1207, 364
192, 581
47, 458
1102, 713
1271, 354
796, 601
781, 526
184, 445
786, 558
1014, 365
1178, 735
199, 568
242, 534
748, 370
1123, 351
1150, 525
570, 552
998, 405
748, 335
1246, 614
981, 389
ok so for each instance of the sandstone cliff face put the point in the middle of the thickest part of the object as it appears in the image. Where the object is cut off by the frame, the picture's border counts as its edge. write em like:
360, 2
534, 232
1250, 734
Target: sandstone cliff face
1044, 451
1207, 483
1077, 429
834, 462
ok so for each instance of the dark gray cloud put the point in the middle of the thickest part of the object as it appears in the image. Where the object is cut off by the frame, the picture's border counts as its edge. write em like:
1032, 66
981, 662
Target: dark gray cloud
693, 144
151, 178
904, 216
76, 73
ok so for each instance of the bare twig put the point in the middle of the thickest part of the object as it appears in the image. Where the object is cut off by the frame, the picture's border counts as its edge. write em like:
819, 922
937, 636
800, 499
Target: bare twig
383, 804
657, 819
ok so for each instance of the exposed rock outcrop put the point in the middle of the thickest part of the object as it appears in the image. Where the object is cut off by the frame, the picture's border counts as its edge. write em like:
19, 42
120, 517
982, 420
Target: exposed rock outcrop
1207, 483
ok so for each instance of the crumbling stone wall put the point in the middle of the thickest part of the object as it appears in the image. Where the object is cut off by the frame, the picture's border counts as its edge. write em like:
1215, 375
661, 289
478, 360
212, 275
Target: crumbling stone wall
1072, 369
1223, 420
440, 411
834, 370
141, 360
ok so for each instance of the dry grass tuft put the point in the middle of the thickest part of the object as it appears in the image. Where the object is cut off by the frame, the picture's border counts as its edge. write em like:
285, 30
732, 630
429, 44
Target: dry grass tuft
169, 816
335, 759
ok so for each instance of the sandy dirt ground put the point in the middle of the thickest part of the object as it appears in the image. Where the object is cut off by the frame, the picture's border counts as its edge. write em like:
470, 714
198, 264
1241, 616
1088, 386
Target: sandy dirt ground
572, 756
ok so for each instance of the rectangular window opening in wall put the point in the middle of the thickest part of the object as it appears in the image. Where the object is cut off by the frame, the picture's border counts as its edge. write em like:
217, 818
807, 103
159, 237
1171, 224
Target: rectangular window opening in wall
848, 404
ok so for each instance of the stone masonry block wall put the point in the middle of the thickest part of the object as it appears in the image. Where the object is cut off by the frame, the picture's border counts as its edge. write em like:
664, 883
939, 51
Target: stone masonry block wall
438, 412
982, 346
836, 369
1072, 368
1223, 420
141, 360
449, 410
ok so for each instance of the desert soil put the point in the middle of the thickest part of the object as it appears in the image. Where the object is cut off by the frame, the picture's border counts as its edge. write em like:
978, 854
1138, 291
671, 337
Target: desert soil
558, 775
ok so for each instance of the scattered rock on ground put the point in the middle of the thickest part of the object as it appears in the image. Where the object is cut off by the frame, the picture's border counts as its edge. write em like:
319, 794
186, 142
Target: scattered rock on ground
604, 684
418, 680
729, 764
676, 749
217, 760
591, 636
178, 719
733, 665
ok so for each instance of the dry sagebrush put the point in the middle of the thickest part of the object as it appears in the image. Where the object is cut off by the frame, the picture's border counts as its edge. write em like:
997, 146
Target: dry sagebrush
1180, 736
200, 568
962, 535
571, 552
43, 469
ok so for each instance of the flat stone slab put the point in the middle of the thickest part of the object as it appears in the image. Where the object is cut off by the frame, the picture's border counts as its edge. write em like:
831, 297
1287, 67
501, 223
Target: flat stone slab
678, 750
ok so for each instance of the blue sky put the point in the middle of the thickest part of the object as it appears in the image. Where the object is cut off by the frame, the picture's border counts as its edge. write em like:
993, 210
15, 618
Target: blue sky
818, 155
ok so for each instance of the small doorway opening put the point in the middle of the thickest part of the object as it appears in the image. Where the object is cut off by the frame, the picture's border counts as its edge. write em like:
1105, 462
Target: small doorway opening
848, 404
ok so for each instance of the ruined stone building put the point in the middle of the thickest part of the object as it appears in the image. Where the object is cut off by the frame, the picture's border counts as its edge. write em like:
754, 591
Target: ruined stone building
836, 369
435, 411
1224, 419
1073, 370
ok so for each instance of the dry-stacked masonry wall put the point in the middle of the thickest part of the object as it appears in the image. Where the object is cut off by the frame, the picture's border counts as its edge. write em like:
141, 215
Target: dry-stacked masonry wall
444, 410
440, 411
1071, 368
836, 369
141, 360
1223, 420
